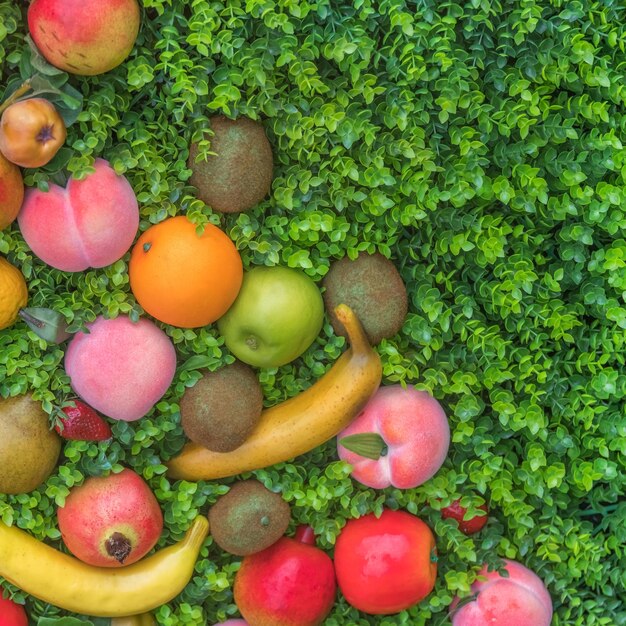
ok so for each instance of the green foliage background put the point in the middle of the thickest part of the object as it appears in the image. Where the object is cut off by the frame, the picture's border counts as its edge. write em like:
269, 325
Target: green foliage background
477, 144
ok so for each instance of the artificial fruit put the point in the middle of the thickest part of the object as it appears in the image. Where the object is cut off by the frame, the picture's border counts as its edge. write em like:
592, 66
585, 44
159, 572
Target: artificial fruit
291, 583
13, 293
301, 423
111, 521
31, 132
467, 524
11, 191
516, 598
85, 37
78, 421
400, 439
28, 448
11, 613
277, 315
385, 564
143, 619
45, 573
119, 367
237, 173
90, 223
182, 277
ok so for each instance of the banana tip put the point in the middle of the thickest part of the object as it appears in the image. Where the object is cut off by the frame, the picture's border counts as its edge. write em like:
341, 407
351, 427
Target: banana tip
343, 313
198, 530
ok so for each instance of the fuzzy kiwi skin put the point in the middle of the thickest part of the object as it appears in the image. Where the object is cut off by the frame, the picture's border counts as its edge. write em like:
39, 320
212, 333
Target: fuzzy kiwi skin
249, 518
373, 288
220, 411
240, 174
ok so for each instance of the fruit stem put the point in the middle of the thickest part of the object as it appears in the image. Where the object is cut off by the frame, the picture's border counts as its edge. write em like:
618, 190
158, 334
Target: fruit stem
18, 93
305, 534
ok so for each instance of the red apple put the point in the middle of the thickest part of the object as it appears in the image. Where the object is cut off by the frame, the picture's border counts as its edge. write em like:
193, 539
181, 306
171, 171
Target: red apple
112, 520
291, 583
385, 564
12, 614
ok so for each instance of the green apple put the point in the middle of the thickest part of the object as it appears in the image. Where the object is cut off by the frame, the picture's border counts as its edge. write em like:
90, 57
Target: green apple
277, 315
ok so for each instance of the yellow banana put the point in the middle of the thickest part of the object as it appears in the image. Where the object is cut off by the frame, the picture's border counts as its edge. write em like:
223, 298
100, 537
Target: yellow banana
300, 423
66, 582
145, 619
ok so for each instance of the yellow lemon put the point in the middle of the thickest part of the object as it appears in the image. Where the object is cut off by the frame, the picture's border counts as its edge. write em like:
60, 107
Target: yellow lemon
13, 293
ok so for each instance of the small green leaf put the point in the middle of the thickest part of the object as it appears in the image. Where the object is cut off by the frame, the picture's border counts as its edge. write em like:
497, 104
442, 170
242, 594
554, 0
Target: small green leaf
368, 445
46, 323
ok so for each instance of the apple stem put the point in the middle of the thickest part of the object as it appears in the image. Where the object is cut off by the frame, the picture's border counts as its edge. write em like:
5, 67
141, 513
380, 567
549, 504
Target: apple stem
18, 93
305, 534
118, 546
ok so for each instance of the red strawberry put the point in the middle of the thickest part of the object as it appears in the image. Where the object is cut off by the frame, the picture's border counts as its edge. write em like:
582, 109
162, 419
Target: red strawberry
82, 423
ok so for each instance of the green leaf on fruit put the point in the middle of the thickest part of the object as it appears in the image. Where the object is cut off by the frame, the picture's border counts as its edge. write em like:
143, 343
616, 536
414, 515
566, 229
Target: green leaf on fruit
369, 445
39, 63
46, 323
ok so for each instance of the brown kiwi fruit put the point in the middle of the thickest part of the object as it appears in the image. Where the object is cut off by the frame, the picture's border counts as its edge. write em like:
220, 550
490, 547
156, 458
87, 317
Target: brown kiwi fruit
240, 173
372, 287
249, 518
220, 411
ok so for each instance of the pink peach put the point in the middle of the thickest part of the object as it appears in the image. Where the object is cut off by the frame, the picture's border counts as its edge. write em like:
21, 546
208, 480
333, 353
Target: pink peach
121, 368
233, 622
90, 223
407, 430
410, 435
519, 600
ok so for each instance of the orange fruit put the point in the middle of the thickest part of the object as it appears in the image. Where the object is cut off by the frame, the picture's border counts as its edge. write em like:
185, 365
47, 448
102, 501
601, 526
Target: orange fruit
182, 278
13, 293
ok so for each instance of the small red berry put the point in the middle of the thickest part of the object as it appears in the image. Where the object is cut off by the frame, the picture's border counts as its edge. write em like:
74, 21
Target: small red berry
457, 512
82, 423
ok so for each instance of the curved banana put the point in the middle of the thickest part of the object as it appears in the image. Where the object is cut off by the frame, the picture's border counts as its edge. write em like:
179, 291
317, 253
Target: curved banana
70, 584
300, 423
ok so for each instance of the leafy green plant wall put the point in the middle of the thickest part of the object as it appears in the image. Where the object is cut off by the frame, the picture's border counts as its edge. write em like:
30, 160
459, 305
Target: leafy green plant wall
477, 144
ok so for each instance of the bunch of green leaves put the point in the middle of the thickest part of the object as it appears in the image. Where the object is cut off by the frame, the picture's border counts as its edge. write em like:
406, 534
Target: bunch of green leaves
478, 145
